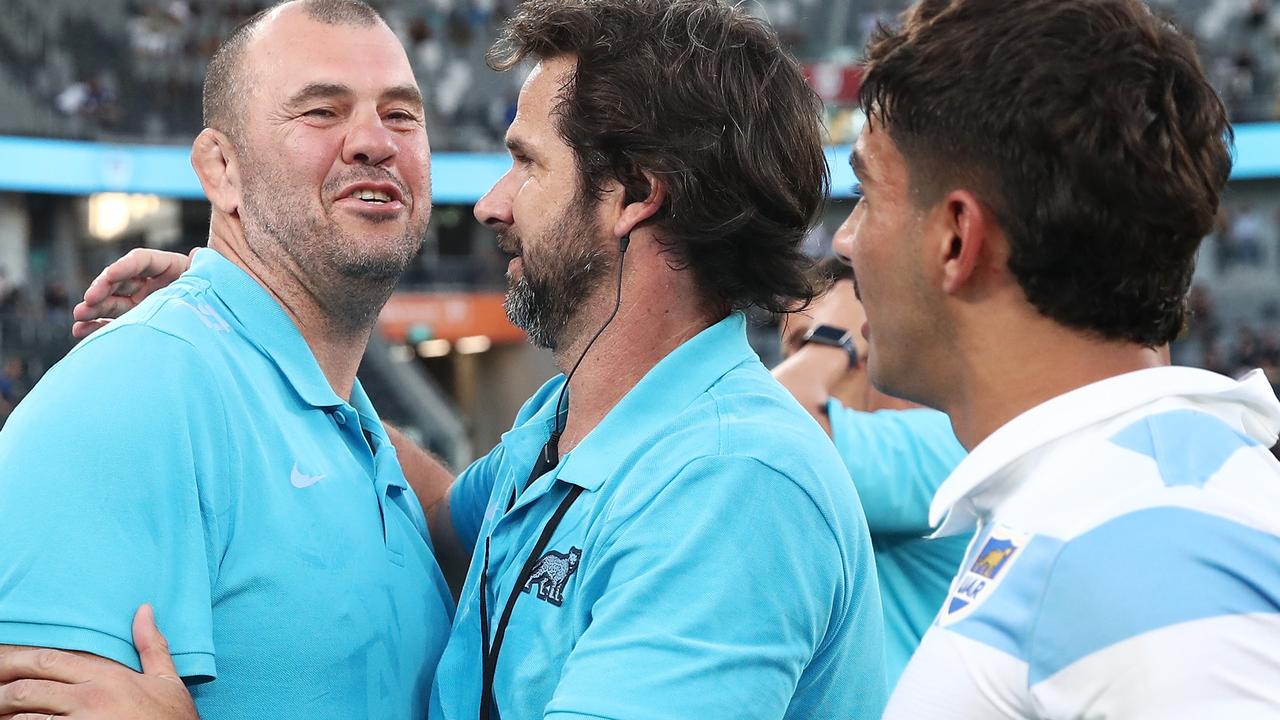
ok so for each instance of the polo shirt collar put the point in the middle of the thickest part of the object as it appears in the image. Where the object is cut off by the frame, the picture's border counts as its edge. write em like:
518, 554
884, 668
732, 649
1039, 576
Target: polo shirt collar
267, 326
974, 489
664, 392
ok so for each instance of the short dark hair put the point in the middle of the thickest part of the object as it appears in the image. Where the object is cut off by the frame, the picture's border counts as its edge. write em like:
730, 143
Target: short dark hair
701, 95
224, 80
1086, 126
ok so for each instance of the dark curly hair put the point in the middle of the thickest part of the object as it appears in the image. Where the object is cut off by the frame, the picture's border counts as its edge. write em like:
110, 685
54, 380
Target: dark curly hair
1089, 129
702, 96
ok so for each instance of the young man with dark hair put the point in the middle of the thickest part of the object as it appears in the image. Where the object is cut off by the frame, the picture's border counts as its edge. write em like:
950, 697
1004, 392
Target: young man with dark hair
1037, 178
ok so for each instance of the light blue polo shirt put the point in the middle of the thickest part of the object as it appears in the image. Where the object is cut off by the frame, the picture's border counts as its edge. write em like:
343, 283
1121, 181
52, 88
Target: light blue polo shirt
716, 565
898, 458
193, 455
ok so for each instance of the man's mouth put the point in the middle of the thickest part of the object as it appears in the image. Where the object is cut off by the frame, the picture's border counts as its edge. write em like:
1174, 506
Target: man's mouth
508, 246
373, 193
375, 196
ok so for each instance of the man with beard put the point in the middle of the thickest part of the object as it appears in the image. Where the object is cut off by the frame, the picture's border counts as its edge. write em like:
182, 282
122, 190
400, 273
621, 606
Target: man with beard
212, 453
664, 532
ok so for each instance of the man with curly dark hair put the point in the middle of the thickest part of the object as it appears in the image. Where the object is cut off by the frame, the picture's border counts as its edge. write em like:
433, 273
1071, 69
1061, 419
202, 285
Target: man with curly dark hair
1037, 177
696, 545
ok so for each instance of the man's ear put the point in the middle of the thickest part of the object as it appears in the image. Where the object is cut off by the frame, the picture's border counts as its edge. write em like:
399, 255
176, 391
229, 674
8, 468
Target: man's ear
636, 212
966, 247
213, 156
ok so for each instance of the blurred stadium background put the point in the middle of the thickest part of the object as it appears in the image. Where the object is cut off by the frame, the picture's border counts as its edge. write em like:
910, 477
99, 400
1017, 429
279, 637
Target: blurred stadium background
100, 99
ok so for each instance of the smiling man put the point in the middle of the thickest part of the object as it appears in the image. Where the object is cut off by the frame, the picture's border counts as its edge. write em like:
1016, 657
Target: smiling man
251, 494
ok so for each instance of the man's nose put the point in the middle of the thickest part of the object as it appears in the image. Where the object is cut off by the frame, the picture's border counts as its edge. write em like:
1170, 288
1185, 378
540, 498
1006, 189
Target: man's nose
369, 141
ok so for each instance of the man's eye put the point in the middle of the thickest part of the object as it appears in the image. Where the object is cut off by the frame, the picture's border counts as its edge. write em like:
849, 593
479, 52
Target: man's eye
320, 113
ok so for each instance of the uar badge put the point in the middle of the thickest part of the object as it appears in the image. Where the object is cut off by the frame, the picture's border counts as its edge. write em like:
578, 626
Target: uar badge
984, 574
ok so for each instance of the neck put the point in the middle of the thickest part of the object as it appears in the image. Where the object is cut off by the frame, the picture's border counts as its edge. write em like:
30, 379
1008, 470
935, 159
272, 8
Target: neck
656, 316
337, 346
1002, 374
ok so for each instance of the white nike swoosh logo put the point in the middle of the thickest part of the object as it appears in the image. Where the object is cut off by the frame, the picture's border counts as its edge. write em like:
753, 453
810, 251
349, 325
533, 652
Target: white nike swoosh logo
300, 480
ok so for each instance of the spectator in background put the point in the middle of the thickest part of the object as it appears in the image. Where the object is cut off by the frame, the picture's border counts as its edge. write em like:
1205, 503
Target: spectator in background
7, 288
897, 453
1246, 230
13, 385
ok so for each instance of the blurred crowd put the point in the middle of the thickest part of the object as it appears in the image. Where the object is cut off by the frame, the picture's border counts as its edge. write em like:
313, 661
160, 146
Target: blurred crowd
1230, 348
35, 332
131, 69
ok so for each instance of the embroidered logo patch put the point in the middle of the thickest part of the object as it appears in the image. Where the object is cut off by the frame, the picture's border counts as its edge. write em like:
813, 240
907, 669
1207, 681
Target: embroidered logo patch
551, 574
985, 573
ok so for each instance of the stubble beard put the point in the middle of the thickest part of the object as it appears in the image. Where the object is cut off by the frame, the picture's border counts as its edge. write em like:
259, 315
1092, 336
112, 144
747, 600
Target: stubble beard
348, 282
545, 300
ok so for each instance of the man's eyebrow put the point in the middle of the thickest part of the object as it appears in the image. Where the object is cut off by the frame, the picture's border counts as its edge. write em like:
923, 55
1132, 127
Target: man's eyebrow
404, 93
516, 146
315, 91
859, 165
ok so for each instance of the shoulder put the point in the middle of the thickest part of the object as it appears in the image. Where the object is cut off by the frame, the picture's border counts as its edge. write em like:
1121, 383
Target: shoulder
1188, 447
1148, 570
754, 416
746, 434
886, 443
134, 363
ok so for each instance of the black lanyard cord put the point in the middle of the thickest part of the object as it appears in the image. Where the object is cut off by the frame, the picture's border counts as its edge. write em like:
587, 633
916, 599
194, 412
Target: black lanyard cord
547, 459
491, 652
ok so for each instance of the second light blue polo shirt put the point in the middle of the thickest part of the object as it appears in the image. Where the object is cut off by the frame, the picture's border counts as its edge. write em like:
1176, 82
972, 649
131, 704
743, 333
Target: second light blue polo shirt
716, 564
193, 456
898, 458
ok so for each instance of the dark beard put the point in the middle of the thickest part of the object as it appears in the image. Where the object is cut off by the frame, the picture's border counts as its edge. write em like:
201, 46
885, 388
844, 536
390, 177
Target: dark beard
543, 301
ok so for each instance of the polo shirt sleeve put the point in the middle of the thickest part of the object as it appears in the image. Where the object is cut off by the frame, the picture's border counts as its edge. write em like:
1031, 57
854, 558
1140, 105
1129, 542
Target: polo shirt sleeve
897, 459
469, 497
112, 474
711, 601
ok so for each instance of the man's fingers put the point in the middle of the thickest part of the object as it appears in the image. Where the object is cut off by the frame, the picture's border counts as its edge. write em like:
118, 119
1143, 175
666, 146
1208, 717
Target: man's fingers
43, 664
143, 263
40, 697
153, 648
112, 307
82, 329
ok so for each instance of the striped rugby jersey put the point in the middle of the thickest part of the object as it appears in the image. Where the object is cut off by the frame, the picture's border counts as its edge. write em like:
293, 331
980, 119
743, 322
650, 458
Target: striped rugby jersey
1126, 562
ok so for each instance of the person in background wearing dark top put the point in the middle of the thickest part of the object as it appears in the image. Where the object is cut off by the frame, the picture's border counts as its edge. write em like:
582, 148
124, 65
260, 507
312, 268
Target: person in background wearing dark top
12, 378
